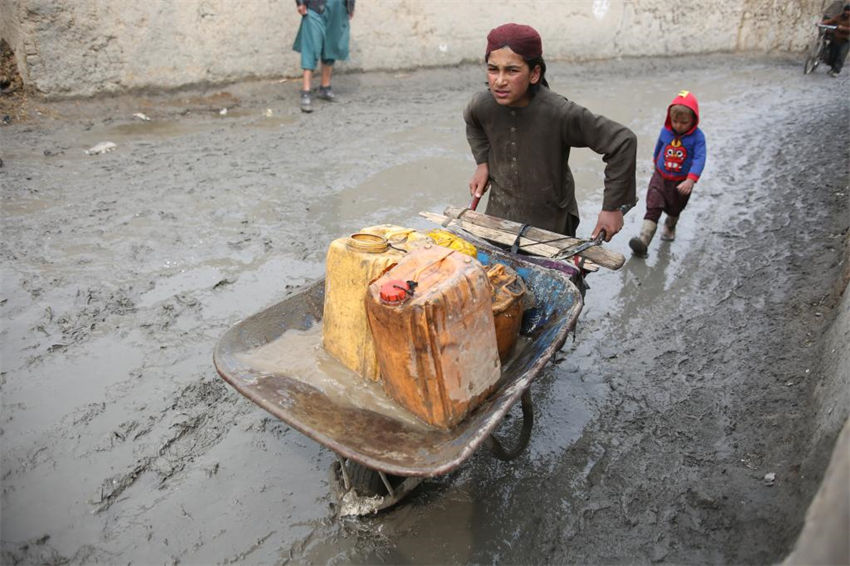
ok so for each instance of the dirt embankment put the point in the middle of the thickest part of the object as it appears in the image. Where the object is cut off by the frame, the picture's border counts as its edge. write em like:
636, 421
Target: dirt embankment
12, 95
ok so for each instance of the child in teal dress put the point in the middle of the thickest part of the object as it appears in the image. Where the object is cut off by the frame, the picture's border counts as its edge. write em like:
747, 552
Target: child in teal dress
323, 35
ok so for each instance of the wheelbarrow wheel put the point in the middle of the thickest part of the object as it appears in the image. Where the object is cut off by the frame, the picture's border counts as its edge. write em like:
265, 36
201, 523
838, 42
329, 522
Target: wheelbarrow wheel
368, 482
365, 480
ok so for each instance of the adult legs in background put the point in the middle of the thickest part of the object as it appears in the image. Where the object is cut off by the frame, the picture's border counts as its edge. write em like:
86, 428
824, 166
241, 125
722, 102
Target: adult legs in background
838, 53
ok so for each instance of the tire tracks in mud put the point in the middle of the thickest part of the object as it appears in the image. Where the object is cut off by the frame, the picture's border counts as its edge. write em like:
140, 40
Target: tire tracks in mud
157, 423
166, 439
199, 418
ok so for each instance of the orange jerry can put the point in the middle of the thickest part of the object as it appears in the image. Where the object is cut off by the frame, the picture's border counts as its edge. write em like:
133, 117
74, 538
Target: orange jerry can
432, 322
509, 291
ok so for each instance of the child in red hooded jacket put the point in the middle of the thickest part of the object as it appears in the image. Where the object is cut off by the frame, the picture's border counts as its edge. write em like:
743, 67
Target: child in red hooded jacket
679, 158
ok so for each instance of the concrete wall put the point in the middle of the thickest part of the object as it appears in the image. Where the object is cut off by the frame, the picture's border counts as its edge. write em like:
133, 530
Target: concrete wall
85, 47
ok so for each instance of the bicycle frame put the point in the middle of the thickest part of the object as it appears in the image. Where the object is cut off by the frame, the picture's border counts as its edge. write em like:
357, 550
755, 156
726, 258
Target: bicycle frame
819, 49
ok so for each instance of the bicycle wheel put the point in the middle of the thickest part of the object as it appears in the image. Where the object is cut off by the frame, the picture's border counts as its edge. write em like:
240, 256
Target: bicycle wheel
813, 58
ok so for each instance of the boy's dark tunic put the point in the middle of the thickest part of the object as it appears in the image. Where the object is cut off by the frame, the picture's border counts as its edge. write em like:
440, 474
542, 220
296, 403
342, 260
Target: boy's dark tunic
527, 150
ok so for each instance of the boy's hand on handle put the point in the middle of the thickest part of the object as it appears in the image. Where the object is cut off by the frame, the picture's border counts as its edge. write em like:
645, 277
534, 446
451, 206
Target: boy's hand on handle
302, 9
480, 181
611, 221
686, 186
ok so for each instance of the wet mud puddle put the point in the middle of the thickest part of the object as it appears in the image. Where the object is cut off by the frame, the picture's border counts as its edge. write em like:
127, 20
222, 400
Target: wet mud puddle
299, 355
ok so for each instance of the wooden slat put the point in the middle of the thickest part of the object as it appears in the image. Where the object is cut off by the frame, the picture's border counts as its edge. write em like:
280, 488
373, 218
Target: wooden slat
554, 239
498, 236
600, 255
536, 241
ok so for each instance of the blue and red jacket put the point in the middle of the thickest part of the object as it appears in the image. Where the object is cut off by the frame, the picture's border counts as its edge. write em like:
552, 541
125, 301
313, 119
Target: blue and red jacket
679, 157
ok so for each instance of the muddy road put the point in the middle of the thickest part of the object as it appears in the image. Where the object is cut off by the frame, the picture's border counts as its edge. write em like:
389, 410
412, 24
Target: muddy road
690, 378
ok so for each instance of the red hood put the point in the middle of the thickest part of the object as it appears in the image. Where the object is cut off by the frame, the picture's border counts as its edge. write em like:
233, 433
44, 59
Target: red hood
685, 98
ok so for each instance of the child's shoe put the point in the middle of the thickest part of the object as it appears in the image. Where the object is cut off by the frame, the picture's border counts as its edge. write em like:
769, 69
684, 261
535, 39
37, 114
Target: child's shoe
326, 93
640, 243
306, 103
668, 233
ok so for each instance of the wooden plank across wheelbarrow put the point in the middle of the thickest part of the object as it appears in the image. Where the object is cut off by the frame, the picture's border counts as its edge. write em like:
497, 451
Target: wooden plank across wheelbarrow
535, 241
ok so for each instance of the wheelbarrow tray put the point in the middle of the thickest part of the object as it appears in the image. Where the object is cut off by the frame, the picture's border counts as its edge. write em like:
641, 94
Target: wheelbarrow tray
359, 427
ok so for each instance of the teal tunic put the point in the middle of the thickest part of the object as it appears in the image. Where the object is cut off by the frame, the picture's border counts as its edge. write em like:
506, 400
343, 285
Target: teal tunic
324, 35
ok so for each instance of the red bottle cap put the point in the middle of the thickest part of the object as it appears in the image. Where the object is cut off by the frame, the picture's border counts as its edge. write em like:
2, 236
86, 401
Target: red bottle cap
394, 292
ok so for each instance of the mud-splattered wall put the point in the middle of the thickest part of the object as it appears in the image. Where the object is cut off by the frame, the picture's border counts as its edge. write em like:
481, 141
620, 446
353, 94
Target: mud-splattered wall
84, 47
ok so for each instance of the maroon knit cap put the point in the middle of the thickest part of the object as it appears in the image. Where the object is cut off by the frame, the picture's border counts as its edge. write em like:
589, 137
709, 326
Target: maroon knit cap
523, 40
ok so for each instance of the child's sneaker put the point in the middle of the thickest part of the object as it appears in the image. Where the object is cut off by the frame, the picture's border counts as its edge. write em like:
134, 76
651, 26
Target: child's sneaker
306, 103
326, 93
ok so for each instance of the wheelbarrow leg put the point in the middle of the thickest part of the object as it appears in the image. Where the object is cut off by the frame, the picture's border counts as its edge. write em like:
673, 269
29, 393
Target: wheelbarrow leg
496, 447
346, 481
387, 485
359, 490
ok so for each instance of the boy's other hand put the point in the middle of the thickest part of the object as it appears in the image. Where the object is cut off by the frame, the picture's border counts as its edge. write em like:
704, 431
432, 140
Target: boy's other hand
480, 181
685, 187
609, 220
302, 9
